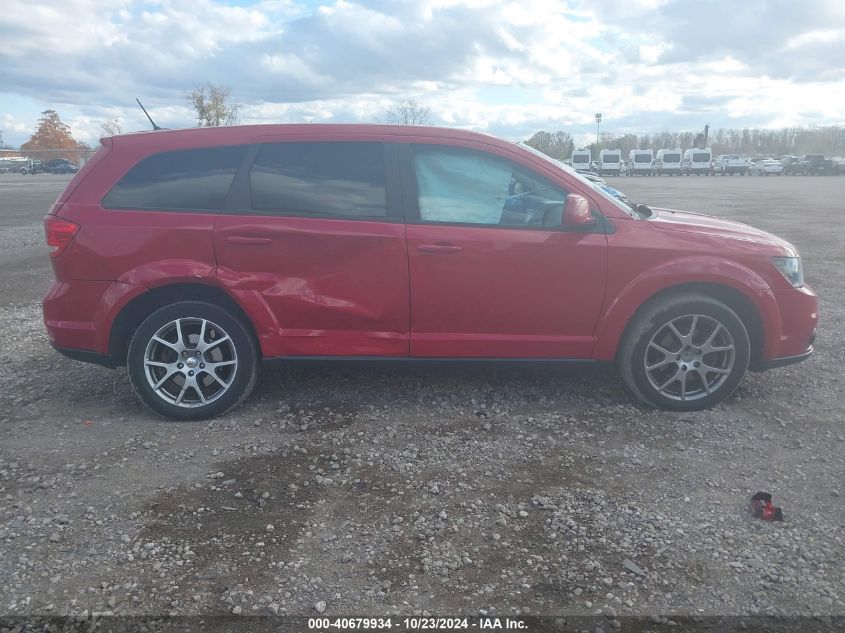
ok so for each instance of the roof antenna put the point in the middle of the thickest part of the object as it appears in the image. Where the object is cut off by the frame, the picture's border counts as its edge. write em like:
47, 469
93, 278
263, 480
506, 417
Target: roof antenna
153, 123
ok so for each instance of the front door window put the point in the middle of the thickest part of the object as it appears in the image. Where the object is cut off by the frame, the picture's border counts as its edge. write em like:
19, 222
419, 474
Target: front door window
469, 187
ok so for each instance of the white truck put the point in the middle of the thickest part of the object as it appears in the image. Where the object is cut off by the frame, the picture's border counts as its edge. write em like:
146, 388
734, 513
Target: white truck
581, 159
697, 161
730, 164
640, 162
610, 162
668, 161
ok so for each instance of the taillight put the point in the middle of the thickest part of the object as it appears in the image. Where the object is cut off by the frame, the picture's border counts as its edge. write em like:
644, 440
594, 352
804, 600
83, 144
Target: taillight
59, 234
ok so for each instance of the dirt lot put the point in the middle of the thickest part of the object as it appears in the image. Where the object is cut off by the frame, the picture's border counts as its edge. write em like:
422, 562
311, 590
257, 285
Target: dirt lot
427, 489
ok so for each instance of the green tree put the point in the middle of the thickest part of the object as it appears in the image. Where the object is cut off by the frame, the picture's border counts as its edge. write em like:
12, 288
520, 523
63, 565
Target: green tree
558, 145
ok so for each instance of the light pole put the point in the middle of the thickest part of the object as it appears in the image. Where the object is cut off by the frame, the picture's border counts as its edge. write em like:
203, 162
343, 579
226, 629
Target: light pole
598, 124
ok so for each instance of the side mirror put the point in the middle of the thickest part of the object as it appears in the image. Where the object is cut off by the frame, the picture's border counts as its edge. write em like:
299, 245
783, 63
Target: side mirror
576, 211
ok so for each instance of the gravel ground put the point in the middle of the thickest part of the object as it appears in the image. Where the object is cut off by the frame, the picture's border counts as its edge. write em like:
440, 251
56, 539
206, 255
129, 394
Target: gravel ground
417, 490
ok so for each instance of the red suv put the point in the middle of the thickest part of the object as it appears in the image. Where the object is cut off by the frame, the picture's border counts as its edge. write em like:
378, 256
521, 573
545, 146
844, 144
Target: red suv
191, 255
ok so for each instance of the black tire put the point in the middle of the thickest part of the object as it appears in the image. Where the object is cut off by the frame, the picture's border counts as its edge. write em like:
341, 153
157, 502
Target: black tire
654, 317
242, 348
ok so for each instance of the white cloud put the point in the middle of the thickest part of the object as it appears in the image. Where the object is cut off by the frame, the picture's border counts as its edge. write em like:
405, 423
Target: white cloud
814, 37
506, 66
14, 125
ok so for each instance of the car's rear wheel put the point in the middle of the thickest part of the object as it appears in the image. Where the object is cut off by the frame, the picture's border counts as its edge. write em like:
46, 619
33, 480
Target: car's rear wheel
192, 360
684, 352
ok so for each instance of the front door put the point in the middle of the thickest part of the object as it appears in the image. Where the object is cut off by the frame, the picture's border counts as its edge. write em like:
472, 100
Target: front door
493, 272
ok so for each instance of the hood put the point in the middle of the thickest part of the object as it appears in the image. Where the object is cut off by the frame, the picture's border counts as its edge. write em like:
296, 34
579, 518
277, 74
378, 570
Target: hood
687, 222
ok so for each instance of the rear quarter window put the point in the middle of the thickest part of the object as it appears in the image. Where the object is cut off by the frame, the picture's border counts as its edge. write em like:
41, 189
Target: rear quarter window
192, 179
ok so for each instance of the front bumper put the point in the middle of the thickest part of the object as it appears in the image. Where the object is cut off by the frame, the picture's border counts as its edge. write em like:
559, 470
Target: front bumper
793, 340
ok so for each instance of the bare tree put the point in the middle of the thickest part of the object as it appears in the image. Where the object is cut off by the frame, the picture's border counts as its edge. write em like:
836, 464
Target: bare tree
408, 113
212, 105
111, 127
828, 139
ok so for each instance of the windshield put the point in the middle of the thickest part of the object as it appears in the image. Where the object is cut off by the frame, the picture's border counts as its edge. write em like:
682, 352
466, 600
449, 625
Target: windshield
701, 158
671, 158
610, 158
731, 157
566, 168
642, 158
580, 158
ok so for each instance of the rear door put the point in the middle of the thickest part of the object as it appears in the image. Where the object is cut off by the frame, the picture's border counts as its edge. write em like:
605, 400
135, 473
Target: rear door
314, 244
493, 272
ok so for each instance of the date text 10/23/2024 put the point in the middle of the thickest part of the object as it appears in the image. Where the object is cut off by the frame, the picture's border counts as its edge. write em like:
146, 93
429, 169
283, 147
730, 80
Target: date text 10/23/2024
417, 624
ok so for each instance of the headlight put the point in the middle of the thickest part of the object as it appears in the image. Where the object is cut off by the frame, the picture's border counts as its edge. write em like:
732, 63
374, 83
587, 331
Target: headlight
791, 269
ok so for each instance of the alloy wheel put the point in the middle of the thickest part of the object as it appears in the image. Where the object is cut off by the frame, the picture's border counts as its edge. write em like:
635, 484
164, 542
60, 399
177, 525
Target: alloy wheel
190, 362
689, 358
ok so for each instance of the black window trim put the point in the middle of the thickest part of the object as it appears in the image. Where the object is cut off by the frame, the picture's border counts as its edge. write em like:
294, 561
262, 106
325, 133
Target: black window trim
238, 199
412, 208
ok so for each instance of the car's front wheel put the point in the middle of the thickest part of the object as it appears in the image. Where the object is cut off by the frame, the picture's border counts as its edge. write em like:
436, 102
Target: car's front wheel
684, 352
192, 360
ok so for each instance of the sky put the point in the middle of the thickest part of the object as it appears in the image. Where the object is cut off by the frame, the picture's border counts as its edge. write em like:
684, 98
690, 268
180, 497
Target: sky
505, 67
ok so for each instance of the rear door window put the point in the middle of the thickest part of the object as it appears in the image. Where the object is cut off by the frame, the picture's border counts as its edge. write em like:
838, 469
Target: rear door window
192, 179
323, 179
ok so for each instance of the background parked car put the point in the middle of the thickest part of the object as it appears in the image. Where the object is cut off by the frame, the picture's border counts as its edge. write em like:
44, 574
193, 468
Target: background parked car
60, 166
815, 165
65, 168
730, 164
765, 167
790, 164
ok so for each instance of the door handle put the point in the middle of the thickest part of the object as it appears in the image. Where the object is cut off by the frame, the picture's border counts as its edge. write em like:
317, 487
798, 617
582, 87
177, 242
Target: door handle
248, 241
438, 248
